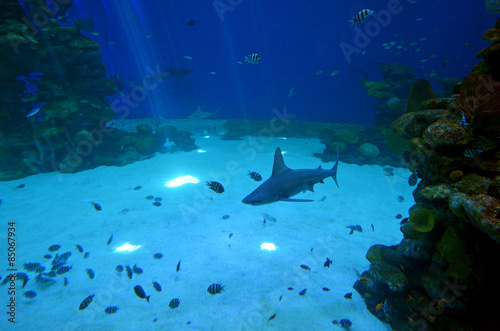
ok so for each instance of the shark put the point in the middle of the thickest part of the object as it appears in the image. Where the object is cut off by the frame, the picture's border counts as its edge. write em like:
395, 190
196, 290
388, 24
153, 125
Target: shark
284, 182
174, 72
199, 114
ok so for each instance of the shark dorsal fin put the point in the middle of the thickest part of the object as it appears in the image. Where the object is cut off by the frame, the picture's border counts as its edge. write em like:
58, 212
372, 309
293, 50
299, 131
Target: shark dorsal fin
279, 165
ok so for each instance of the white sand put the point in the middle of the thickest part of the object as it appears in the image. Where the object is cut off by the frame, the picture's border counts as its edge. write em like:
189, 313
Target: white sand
56, 209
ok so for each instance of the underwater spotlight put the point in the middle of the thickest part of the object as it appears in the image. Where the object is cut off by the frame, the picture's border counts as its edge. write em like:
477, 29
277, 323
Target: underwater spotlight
181, 181
268, 247
127, 248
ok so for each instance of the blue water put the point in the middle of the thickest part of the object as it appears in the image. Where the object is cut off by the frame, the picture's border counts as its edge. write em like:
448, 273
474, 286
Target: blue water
296, 40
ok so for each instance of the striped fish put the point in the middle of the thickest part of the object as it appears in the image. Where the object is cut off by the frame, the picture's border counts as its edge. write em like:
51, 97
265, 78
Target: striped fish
90, 273
216, 187
412, 181
361, 17
215, 289
157, 286
255, 176
86, 302
30, 294
253, 58
174, 303
472, 152
111, 310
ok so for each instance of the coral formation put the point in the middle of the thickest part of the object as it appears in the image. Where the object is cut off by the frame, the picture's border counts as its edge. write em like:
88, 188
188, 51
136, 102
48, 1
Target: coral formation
70, 131
452, 240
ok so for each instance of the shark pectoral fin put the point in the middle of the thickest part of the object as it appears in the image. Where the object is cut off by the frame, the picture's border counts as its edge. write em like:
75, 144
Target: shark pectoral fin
296, 200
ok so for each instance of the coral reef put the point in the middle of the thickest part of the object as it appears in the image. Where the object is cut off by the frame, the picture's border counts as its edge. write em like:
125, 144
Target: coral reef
451, 242
59, 71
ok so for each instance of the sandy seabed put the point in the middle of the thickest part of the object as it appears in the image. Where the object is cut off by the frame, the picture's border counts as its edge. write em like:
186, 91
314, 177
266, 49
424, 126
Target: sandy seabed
189, 227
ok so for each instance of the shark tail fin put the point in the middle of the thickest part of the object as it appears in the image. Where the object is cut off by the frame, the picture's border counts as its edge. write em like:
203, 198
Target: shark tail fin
334, 168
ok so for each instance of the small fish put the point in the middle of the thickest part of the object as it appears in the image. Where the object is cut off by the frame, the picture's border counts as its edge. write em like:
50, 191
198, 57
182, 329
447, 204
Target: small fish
386, 307
29, 294
272, 317
373, 228
191, 23
472, 153
21, 186
345, 323
323, 198
31, 266
129, 272
111, 310
157, 286
303, 266
290, 288
174, 303
65, 281
86, 255
463, 122
399, 216
361, 17
319, 72
188, 57
328, 263
157, 256
96, 206
268, 218
281, 297
94, 33
253, 58
47, 256
403, 221
110, 240
215, 289
401, 198
158, 199
178, 266
54, 248
90, 273
377, 307
79, 248
51, 274
119, 268
216, 187
33, 112
326, 289
150, 197
140, 293
413, 179
335, 72
86, 302
137, 188
137, 270
355, 228
225, 217
348, 296
364, 279
63, 270
22, 276
255, 176
303, 292
212, 72
157, 203
230, 235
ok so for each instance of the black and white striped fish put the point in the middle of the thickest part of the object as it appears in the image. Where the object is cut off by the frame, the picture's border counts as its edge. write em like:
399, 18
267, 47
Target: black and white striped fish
216, 187
412, 181
174, 303
472, 152
215, 288
253, 58
361, 17
86, 302
255, 176
30, 294
111, 310
157, 286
